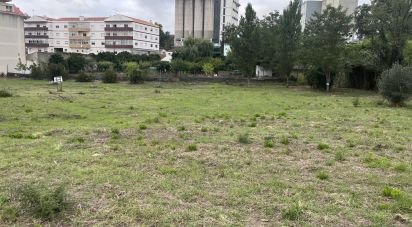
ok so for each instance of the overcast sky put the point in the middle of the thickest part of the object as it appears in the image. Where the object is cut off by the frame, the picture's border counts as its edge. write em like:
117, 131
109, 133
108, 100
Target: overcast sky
161, 11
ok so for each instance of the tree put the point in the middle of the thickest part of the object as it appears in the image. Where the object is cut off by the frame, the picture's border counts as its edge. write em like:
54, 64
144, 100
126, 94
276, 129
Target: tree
194, 50
324, 41
76, 63
208, 69
244, 42
21, 67
289, 38
166, 40
57, 59
396, 84
388, 24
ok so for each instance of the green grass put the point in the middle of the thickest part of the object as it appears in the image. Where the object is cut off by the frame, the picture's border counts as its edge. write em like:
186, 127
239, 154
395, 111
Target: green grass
125, 166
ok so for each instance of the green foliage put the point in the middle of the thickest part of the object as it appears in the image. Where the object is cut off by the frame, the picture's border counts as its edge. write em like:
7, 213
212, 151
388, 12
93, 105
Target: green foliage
392, 193
57, 59
324, 41
208, 69
356, 102
284, 140
192, 147
243, 40
163, 66
340, 156
396, 84
103, 66
109, 77
84, 77
180, 66
42, 201
194, 49
56, 70
37, 72
322, 175
323, 146
269, 143
5, 94
294, 213
135, 72
76, 63
166, 40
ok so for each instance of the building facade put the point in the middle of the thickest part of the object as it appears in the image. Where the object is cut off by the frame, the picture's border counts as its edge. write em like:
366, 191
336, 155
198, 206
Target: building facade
86, 35
204, 19
310, 7
11, 37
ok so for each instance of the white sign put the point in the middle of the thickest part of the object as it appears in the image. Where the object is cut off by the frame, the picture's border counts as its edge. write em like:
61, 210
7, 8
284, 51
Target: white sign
58, 80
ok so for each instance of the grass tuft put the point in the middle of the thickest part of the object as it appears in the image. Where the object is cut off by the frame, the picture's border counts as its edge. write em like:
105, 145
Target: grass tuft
392, 193
323, 146
294, 213
192, 147
243, 138
5, 94
322, 175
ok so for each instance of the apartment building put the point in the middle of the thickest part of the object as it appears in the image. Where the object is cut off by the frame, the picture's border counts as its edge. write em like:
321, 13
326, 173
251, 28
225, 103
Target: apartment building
11, 37
86, 35
349, 5
204, 19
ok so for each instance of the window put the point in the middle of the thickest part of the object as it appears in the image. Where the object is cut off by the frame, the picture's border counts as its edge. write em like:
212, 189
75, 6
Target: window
38, 26
57, 34
65, 26
93, 43
65, 50
57, 26
114, 34
126, 26
145, 28
57, 42
102, 43
66, 42
115, 26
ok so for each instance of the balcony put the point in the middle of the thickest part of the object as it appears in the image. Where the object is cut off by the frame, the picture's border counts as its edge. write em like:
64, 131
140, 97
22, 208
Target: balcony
80, 46
85, 29
118, 29
80, 37
36, 36
119, 46
37, 45
36, 28
118, 37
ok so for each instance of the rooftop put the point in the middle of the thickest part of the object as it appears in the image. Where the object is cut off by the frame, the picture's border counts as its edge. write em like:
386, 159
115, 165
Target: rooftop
14, 9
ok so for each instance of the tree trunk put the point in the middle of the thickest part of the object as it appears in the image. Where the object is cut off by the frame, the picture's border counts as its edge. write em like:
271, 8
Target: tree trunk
287, 80
328, 82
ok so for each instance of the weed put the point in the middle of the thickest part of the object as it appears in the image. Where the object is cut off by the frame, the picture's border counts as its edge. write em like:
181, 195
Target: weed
142, 127
340, 156
322, 175
157, 91
243, 138
5, 94
294, 213
192, 147
392, 193
252, 125
16, 135
401, 167
284, 140
203, 129
268, 143
181, 128
28, 110
115, 131
323, 146
42, 201
9, 214
375, 161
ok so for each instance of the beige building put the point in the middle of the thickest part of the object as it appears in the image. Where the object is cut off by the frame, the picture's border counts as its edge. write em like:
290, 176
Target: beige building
86, 35
11, 37
204, 19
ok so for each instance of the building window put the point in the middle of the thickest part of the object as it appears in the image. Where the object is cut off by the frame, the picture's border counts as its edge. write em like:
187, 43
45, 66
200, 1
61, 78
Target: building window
57, 26
126, 26
66, 42
65, 26
93, 43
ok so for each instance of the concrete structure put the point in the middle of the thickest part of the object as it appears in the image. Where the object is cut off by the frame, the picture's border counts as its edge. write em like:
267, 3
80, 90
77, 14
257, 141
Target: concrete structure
86, 35
262, 72
204, 19
348, 5
11, 37
309, 8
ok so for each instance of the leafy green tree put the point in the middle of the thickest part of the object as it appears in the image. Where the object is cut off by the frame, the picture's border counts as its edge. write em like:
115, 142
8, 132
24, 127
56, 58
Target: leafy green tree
244, 42
388, 24
324, 41
396, 84
208, 69
194, 50
166, 40
269, 41
76, 63
290, 30
57, 59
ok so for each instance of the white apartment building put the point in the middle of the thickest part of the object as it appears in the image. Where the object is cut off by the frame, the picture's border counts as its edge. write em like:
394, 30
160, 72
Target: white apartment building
86, 35
11, 37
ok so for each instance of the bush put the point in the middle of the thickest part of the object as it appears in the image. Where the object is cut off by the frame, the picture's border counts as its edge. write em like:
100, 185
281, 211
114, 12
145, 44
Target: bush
37, 73
322, 175
294, 212
109, 77
323, 146
208, 69
243, 138
396, 84
103, 66
84, 77
356, 102
43, 202
269, 143
76, 63
317, 80
192, 147
392, 193
5, 94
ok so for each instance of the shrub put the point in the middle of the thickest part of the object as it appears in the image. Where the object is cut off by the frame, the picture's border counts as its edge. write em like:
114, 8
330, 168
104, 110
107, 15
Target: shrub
396, 84
37, 73
284, 140
401, 167
317, 80
84, 77
103, 66
340, 156
56, 70
42, 201
109, 77
243, 138
76, 63
136, 76
5, 94
142, 127
208, 69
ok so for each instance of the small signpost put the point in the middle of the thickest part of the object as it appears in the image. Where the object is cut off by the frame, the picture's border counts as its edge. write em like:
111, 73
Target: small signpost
59, 81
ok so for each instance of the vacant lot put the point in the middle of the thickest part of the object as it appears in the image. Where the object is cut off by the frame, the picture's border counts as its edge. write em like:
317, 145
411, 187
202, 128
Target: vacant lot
206, 154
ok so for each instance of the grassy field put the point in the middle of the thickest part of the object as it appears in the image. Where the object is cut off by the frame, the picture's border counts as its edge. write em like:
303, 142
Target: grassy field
206, 154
